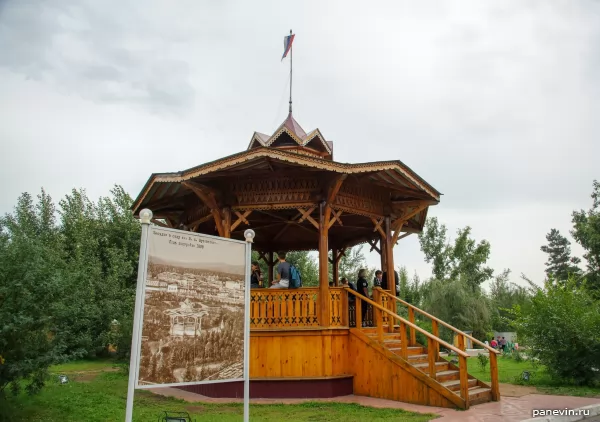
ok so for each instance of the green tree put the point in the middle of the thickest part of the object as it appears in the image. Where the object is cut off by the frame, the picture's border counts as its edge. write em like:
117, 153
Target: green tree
455, 302
560, 264
30, 268
562, 329
586, 231
465, 259
504, 296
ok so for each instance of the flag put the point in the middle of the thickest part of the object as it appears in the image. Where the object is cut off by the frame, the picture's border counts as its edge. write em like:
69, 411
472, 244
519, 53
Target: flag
287, 44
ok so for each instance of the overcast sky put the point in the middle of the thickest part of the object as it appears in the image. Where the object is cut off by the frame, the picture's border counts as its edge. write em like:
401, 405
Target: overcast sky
495, 103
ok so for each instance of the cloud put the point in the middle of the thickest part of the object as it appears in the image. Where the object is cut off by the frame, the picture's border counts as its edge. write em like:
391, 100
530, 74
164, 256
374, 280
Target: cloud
103, 51
494, 103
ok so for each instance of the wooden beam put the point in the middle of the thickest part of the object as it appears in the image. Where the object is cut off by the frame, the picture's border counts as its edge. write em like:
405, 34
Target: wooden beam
335, 217
397, 228
378, 226
373, 244
208, 196
413, 202
306, 216
200, 220
403, 236
242, 218
411, 214
281, 232
159, 223
333, 191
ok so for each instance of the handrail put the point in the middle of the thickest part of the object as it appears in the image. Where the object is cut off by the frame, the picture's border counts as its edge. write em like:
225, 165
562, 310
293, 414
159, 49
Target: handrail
439, 321
408, 323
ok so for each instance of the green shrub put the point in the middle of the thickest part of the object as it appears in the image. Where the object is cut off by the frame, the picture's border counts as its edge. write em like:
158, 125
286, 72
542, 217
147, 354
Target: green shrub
562, 330
483, 361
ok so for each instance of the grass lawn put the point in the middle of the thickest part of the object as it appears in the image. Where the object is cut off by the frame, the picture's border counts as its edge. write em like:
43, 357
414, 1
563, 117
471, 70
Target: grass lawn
510, 371
97, 392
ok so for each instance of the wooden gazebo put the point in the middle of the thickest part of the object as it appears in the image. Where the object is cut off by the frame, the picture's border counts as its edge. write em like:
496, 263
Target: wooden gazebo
289, 190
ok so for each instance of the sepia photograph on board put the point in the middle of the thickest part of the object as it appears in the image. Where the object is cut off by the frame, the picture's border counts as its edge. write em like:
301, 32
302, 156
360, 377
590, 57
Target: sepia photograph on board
193, 311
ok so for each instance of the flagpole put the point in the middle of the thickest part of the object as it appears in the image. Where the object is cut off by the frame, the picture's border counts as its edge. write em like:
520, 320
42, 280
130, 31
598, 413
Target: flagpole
291, 57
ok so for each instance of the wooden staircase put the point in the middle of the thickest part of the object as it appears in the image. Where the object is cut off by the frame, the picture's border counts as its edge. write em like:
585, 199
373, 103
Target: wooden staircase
399, 368
446, 373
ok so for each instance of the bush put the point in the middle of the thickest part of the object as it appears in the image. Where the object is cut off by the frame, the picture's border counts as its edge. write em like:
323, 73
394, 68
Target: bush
483, 361
562, 330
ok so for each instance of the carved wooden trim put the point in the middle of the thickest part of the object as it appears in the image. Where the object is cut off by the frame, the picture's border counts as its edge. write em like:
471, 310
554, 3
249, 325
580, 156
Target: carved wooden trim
315, 163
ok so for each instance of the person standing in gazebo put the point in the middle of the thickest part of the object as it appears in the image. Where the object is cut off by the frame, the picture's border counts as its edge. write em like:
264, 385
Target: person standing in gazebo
283, 273
362, 285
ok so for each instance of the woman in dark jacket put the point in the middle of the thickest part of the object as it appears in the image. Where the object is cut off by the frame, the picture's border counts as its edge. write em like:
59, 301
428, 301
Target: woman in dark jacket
362, 286
255, 277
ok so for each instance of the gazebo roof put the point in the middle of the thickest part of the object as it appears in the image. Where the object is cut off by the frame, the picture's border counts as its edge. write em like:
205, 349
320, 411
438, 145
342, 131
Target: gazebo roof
290, 134
282, 174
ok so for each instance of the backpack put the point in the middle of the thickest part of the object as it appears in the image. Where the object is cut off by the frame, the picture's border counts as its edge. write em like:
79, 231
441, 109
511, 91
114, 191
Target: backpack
295, 277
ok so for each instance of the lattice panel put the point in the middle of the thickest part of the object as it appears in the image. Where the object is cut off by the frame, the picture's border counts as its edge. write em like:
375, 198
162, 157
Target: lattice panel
275, 190
279, 308
359, 198
337, 308
385, 304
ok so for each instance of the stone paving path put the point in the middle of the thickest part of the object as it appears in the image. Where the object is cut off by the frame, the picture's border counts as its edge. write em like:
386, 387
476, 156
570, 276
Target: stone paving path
509, 409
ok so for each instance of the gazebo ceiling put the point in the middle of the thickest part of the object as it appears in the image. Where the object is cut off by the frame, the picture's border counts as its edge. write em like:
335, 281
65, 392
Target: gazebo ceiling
281, 186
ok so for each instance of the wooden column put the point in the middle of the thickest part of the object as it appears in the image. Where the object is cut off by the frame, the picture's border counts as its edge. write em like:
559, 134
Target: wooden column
227, 222
389, 252
271, 264
336, 267
323, 268
382, 244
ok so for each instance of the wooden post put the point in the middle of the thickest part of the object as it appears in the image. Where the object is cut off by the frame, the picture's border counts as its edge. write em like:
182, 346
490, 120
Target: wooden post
461, 342
345, 310
271, 264
413, 334
389, 261
494, 376
336, 268
383, 253
323, 267
358, 312
432, 356
464, 379
403, 342
227, 222
435, 330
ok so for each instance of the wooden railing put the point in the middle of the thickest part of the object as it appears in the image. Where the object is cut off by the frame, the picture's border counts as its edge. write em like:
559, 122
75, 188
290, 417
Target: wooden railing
338, 307
435, 327
433, 342
296, 308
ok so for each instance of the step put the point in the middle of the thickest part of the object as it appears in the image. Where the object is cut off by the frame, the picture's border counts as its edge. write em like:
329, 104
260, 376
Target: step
412, 350
448, 375
439, 366
454, 385
386, 335
420, 358
478, 395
